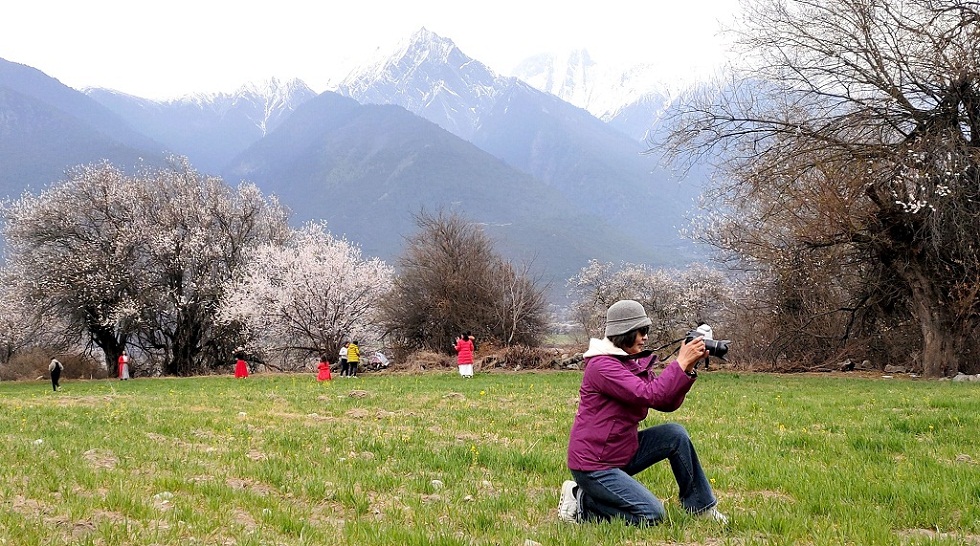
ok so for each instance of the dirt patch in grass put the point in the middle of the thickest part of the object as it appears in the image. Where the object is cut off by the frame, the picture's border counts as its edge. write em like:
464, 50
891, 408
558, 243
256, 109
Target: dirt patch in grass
25, 506
84, 401
909, 535
330, 513
182, 444
101, 459
251, 485
78, 529
763, 494
711, 541
243, 519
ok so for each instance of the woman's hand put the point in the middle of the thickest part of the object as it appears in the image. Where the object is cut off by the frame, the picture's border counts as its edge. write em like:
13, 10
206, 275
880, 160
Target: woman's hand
690, 353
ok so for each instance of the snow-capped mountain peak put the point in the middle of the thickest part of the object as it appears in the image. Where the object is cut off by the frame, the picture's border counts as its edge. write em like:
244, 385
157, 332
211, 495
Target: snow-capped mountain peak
431, 77
601, 89
265, 102
275, 90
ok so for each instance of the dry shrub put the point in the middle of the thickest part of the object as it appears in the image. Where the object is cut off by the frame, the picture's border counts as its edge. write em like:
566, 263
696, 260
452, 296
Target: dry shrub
81, 366
33, 363
521, 357
423, 361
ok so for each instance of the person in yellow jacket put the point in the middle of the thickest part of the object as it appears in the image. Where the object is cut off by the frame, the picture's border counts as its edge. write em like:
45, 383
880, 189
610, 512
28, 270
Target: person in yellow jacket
353, 357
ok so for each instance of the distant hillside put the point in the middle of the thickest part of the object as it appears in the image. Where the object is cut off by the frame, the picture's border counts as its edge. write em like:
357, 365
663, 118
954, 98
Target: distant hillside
38, 143
596, 167
369, 168
642, 119
46, 128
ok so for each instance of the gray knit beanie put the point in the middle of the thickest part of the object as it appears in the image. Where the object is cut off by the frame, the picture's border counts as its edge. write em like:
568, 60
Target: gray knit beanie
625, 315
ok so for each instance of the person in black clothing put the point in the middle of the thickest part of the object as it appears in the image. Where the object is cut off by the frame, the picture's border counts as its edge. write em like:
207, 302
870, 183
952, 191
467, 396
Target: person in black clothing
55, 368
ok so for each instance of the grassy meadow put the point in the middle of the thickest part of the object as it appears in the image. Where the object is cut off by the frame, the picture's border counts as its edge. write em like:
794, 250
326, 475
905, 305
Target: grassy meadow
435, 459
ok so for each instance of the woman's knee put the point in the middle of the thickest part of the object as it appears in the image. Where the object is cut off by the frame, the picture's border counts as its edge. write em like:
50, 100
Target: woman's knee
676, 432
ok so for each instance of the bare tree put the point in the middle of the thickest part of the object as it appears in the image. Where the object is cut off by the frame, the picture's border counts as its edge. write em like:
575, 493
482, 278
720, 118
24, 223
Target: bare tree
850, 144
518, 305
451, 280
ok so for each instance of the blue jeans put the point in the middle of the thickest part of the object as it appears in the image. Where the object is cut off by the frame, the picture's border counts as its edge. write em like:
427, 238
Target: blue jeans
605, 494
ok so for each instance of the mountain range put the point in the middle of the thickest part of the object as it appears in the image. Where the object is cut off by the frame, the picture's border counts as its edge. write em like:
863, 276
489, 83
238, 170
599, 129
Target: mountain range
424, 128
210, 129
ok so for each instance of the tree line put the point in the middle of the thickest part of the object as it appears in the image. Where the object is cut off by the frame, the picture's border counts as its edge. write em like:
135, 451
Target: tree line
187, 270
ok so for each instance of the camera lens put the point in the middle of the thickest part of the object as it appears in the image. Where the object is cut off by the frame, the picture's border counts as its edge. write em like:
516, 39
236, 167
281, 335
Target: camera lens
716, 348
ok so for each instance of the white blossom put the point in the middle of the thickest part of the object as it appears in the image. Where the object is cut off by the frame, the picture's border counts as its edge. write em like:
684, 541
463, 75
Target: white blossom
307, 295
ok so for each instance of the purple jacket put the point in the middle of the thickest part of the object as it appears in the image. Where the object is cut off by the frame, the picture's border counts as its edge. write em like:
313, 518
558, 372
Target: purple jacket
616, 394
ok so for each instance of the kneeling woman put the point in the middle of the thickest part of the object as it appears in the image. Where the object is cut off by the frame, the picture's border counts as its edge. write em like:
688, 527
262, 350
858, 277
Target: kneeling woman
606, 449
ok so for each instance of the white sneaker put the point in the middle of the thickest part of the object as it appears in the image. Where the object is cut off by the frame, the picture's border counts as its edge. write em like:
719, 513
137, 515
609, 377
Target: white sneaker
567, 504
714, 515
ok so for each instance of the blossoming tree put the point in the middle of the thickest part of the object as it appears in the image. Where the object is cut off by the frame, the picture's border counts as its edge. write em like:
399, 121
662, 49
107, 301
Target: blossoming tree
305, 297
137, 260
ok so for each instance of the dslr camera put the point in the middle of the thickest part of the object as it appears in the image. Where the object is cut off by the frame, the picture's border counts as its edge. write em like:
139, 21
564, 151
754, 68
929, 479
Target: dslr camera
715, 347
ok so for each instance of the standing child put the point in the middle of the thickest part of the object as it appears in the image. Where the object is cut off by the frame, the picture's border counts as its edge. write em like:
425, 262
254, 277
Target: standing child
344, 370
241, 368
324, 369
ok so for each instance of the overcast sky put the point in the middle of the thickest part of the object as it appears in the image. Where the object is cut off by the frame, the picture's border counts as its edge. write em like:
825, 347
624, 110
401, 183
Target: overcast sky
166, 49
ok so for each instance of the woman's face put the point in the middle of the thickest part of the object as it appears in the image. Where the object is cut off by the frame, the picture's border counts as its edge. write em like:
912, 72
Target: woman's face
639, 341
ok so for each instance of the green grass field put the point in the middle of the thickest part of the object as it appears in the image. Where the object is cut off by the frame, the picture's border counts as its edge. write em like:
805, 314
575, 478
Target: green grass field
438, 460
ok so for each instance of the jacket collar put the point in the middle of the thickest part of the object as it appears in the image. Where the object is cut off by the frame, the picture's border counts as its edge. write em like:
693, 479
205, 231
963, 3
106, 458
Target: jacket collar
603, 347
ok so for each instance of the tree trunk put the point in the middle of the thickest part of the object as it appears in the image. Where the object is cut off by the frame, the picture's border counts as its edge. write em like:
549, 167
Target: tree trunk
185, 349
106, 339
944, 342
186, 341
940, 354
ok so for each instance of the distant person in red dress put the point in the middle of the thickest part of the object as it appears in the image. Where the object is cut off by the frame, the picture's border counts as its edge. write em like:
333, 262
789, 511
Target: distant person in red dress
124, 366
324, 367
241, 368
464, 354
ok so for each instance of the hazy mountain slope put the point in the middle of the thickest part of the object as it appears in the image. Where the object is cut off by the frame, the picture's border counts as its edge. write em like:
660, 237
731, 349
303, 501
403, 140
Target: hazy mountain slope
598, 168
642, 119
368, 168
47, 128
578, 80
428, 76
630, 98
38, 143
210, 129
43, 88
